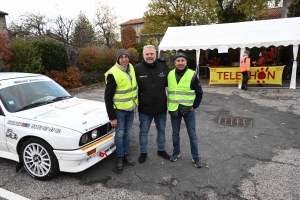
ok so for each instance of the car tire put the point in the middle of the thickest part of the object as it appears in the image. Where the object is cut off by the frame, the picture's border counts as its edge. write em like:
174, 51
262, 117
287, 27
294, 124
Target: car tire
38, 159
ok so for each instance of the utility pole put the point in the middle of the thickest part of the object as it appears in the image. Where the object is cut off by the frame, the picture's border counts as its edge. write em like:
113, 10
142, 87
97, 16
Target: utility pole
285, 8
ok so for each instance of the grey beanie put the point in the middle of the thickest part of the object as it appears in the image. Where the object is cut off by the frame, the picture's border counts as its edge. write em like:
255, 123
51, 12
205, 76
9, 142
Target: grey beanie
180, 54
247, 52
122, 52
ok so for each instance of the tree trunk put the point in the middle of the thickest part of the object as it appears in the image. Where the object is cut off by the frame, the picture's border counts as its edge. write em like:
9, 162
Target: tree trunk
285, 7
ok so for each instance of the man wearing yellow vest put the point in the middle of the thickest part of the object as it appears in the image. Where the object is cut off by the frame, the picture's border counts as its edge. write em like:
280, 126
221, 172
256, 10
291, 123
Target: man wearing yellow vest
184, 96
245, 69
121, 100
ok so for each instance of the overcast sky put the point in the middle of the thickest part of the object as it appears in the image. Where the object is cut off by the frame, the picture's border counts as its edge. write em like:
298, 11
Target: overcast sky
126, 9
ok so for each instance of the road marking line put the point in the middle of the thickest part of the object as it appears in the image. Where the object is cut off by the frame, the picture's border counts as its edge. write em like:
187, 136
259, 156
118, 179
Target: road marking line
11, 196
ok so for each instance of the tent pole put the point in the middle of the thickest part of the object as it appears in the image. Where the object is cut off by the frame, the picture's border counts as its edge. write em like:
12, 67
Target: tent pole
241, 55
294, 69
197, 61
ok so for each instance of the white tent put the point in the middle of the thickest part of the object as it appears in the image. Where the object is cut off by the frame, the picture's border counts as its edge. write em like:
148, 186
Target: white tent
285, 31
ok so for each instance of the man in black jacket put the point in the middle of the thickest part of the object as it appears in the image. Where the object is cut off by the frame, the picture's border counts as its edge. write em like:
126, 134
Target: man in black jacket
151, 76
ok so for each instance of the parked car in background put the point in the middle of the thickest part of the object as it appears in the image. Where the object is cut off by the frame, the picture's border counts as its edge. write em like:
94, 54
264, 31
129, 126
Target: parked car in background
47, 130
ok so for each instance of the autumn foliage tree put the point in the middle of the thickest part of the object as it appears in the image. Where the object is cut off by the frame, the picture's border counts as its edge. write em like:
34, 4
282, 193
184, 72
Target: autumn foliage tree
128, 35
5, 51
89, 58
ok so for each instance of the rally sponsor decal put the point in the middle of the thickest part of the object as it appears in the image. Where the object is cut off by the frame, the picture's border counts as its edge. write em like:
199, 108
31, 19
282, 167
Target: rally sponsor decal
16, 123
66, 105
47, 114
27, 80
90, 111
45, 128
10, 133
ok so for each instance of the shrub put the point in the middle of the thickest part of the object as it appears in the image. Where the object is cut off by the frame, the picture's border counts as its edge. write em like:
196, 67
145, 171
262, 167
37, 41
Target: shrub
26, 58
134, 55
54, 55
69, 79
90, 58
139, 47
108, 59
92, 77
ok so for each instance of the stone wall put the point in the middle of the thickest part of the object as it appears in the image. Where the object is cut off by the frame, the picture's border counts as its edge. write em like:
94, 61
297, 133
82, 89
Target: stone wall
3, 27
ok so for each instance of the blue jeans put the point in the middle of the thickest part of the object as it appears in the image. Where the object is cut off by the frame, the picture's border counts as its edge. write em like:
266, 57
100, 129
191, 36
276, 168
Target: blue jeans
122, 137
190, 123
145, 122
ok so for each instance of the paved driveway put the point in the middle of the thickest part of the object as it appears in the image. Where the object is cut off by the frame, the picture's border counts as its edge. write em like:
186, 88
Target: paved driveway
260, 160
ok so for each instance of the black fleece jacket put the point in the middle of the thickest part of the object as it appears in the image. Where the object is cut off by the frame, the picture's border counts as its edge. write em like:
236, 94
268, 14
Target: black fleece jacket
152, 82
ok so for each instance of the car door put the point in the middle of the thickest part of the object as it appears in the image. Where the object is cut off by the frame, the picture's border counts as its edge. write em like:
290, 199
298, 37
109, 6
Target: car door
3, 146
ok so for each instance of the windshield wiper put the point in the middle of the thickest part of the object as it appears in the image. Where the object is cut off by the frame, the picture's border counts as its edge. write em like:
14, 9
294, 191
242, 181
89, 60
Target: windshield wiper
33, 105
61, 98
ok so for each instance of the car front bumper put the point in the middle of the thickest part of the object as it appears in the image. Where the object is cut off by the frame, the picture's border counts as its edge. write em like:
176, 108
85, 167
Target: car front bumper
79, 160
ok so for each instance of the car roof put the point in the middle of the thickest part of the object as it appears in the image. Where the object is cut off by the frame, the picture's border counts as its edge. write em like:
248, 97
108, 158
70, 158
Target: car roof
13, 75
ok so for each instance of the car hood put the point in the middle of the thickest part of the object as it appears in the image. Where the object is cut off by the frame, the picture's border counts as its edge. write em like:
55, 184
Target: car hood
77, 114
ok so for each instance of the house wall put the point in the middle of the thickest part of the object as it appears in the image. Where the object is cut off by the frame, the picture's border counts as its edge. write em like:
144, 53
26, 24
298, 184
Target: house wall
3, 27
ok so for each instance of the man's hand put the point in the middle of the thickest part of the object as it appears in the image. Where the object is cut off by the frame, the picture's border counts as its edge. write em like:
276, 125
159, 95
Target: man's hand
114, 123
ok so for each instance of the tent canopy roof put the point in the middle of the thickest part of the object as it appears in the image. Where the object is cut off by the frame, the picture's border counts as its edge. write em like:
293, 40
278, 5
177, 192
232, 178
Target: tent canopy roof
284, 31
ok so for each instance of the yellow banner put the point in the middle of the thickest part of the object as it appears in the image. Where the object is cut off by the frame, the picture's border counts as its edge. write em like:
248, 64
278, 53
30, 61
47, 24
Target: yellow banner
258, 75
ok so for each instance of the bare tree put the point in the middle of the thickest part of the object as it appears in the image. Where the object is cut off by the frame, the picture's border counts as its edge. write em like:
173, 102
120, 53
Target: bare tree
63, 28
29, 24
106, 25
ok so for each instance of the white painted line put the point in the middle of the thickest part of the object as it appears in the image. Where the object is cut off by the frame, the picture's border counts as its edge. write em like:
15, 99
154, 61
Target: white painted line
11, 196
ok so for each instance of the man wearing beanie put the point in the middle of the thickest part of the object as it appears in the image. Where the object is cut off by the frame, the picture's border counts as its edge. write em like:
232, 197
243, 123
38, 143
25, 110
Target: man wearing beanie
121, 100
184, 96
245, 69
151, 75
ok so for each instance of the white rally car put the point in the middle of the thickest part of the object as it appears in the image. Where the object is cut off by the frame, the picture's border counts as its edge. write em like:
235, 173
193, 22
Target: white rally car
47, 130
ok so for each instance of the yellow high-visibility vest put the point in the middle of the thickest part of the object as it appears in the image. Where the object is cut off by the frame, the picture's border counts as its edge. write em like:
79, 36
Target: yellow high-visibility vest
180, 93
126, 92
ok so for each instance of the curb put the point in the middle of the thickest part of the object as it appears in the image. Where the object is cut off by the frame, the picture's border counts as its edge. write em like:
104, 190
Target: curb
85, 88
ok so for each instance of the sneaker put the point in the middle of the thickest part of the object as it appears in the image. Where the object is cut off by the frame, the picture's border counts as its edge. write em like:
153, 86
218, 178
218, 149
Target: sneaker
174, 157
120, 162
142, 158
128, 159
163, 154
197, 163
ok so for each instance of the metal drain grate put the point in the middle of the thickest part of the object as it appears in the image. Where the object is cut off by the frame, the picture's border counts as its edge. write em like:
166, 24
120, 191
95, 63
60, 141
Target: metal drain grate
235, 121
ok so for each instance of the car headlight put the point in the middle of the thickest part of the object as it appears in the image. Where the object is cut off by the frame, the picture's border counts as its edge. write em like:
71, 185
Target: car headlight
84, 138
94, 134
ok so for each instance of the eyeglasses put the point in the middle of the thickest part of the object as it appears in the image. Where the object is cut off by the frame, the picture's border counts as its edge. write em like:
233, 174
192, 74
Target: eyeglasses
124, 57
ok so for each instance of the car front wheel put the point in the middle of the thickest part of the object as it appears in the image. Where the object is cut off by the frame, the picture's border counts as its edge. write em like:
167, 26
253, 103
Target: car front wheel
38, 159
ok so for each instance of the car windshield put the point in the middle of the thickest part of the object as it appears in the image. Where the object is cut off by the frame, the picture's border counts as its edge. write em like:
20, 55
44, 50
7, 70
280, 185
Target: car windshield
29, 95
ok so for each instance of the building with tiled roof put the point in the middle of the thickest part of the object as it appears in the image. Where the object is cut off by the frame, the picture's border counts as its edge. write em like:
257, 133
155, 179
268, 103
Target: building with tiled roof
3, 26
271, 13
136, 24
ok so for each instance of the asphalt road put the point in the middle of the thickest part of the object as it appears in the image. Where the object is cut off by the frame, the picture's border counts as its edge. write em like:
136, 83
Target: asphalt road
260, 160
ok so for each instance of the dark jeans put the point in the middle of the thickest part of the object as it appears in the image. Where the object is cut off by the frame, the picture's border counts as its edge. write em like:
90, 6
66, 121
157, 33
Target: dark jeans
123, 130
190, 123
245, 78
145, 123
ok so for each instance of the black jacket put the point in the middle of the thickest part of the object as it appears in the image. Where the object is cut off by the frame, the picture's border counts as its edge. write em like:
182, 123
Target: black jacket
152, 82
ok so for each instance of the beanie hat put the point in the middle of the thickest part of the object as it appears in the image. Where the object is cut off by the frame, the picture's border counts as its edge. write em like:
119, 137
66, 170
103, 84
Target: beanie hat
122, 52
247, 52
180, 54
